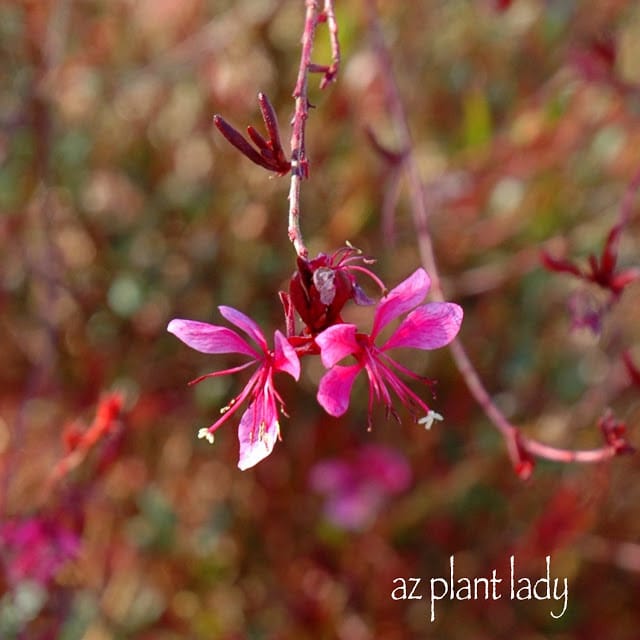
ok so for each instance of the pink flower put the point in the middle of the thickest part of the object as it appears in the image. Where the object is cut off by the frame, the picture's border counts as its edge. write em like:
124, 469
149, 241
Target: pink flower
357, 489
259, 427
429, 326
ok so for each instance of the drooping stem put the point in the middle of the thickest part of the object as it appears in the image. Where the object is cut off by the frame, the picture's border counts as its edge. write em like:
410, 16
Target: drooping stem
520, 447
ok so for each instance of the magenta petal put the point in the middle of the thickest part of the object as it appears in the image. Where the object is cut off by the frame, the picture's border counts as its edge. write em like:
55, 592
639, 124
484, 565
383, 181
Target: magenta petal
337, 342
335, 388
407, 295
430, 326
385, 467
209, 338
286, 358
258, 432
245, 323
354, 510
331, 476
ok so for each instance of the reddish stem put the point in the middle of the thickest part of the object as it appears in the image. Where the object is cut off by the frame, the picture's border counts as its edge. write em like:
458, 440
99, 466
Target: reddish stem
299, 162
520, 447
299, 167
332, 71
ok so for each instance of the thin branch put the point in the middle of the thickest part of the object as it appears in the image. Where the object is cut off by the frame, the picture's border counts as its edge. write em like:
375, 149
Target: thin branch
299, 166
521, 449
330, 18
299, 162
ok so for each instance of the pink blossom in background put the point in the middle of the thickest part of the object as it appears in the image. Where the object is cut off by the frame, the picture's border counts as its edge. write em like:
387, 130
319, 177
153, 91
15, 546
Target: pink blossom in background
356, 490
426, 327
35, 548
259, 427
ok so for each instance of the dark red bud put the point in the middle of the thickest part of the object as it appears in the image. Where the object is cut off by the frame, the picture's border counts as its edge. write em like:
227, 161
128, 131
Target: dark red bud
318, 292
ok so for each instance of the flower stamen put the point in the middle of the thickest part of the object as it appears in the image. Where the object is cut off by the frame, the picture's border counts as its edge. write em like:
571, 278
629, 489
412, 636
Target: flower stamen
205, 434
429, 419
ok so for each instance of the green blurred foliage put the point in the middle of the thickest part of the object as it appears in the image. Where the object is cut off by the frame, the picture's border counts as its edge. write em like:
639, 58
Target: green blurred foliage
121, 208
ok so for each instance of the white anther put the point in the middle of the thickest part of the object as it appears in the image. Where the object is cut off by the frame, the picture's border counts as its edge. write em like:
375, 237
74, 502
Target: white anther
205, 434
430, 418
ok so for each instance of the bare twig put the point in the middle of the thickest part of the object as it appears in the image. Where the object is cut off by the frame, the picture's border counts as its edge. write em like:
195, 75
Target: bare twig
299, 167
299, 162
521, 449
329, 16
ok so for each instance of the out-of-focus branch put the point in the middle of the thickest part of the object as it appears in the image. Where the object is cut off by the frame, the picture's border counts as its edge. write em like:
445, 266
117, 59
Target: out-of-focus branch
46, 27
79, 442
329, 16
522, 450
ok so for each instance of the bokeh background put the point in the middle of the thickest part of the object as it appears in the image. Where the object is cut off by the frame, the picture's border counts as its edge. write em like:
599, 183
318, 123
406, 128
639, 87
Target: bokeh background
121, 208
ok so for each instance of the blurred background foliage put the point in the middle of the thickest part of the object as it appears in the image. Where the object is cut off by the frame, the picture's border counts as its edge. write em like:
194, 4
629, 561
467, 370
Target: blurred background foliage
121, 208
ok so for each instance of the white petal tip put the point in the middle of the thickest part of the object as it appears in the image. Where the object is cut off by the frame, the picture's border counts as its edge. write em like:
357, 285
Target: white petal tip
173, 325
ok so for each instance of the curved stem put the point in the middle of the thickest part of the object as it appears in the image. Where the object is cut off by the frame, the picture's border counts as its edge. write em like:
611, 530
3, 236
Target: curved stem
520, 447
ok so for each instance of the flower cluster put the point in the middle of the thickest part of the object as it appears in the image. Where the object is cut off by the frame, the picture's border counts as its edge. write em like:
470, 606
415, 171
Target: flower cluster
318, 291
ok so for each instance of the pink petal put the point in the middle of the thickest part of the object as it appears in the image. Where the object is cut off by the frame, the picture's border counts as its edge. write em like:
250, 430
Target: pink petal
430, 326
408, 294
335, 388
331, 476
209, 338
286, 358
337, 342
258, 432
384, 467
245, 323
354, 510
